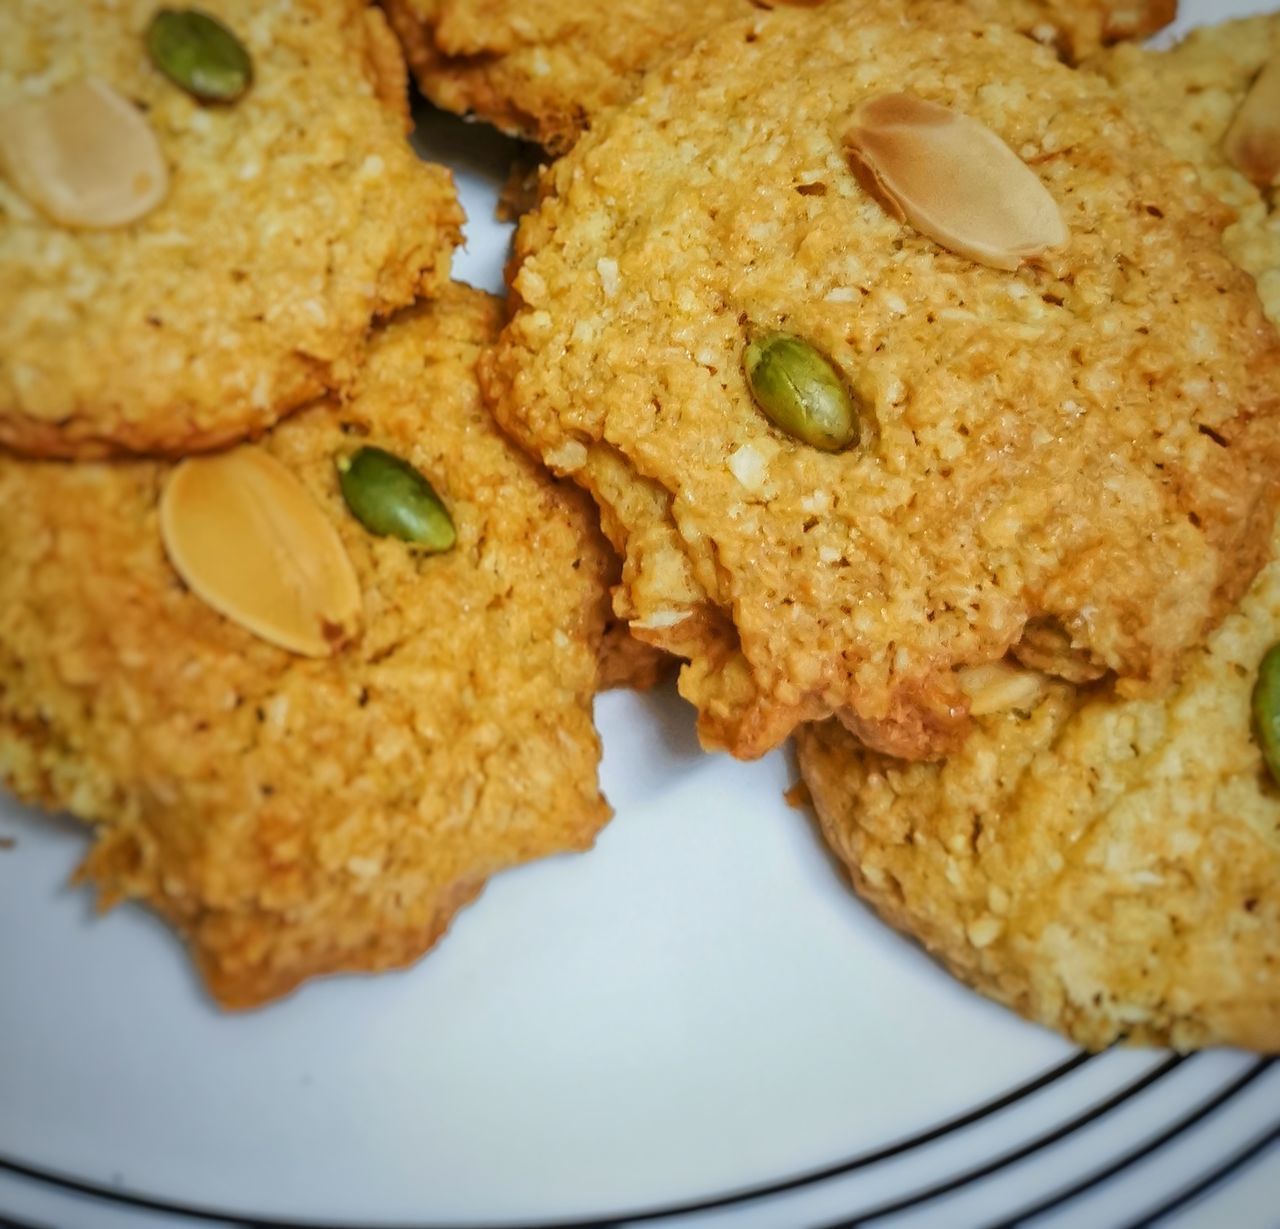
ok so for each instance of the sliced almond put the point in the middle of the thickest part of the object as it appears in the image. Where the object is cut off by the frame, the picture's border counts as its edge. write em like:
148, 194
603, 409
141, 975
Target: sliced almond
84, 156
954, 180
1252, 143
997, 687
249, 540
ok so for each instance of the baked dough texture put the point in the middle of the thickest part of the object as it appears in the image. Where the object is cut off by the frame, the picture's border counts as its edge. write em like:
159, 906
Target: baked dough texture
1190, 94
1073, 461
295, 817
294, 217
1109, 868
545, 70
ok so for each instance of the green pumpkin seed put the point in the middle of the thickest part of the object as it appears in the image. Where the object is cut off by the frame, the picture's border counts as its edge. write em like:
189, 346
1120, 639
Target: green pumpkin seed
1266, 710
392, 499
801, 392
199, 54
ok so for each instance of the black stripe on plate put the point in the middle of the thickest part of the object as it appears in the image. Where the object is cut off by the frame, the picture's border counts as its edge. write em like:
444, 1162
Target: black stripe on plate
969, 1177
1190, 1194
1102, 1176
744, 1195
9, 1223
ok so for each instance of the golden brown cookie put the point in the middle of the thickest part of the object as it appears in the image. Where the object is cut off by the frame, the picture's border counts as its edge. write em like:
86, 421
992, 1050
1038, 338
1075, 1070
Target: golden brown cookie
292, 218
1108, 868
1191, 95
545, 71
294, 817
1072, 460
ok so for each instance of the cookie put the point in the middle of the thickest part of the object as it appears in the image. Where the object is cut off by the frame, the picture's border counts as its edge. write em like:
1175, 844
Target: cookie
292, 816
545, 71
1106, 867
1191, 94
293, 217
1071, 459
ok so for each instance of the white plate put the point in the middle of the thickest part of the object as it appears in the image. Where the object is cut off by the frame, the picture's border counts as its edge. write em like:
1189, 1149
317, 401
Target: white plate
694, 1025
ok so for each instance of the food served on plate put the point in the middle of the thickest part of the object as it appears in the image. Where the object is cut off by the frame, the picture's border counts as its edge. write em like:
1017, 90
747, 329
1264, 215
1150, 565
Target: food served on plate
980, 472
200, 219
1044, 414
546, 70
329, 808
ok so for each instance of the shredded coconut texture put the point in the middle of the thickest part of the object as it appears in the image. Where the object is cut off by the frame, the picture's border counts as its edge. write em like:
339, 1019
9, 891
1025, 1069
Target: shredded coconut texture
1073, 462
1108, 868
294, 217
545, 71
294, 817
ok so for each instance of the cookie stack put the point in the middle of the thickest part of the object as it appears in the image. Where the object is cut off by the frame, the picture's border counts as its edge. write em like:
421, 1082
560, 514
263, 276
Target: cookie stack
313, 687
918, 381
935, 426
544, 72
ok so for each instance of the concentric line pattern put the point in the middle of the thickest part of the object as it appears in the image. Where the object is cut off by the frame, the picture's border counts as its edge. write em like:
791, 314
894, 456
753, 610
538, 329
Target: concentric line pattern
800, 1200
918, 1140
968, 1178
1065, 1196
1189, 1195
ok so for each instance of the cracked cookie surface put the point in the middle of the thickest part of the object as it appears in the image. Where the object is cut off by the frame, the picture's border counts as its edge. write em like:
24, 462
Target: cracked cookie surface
293, 218
295, 817
1190, 94
544, 71
1108, 868
1072, 460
